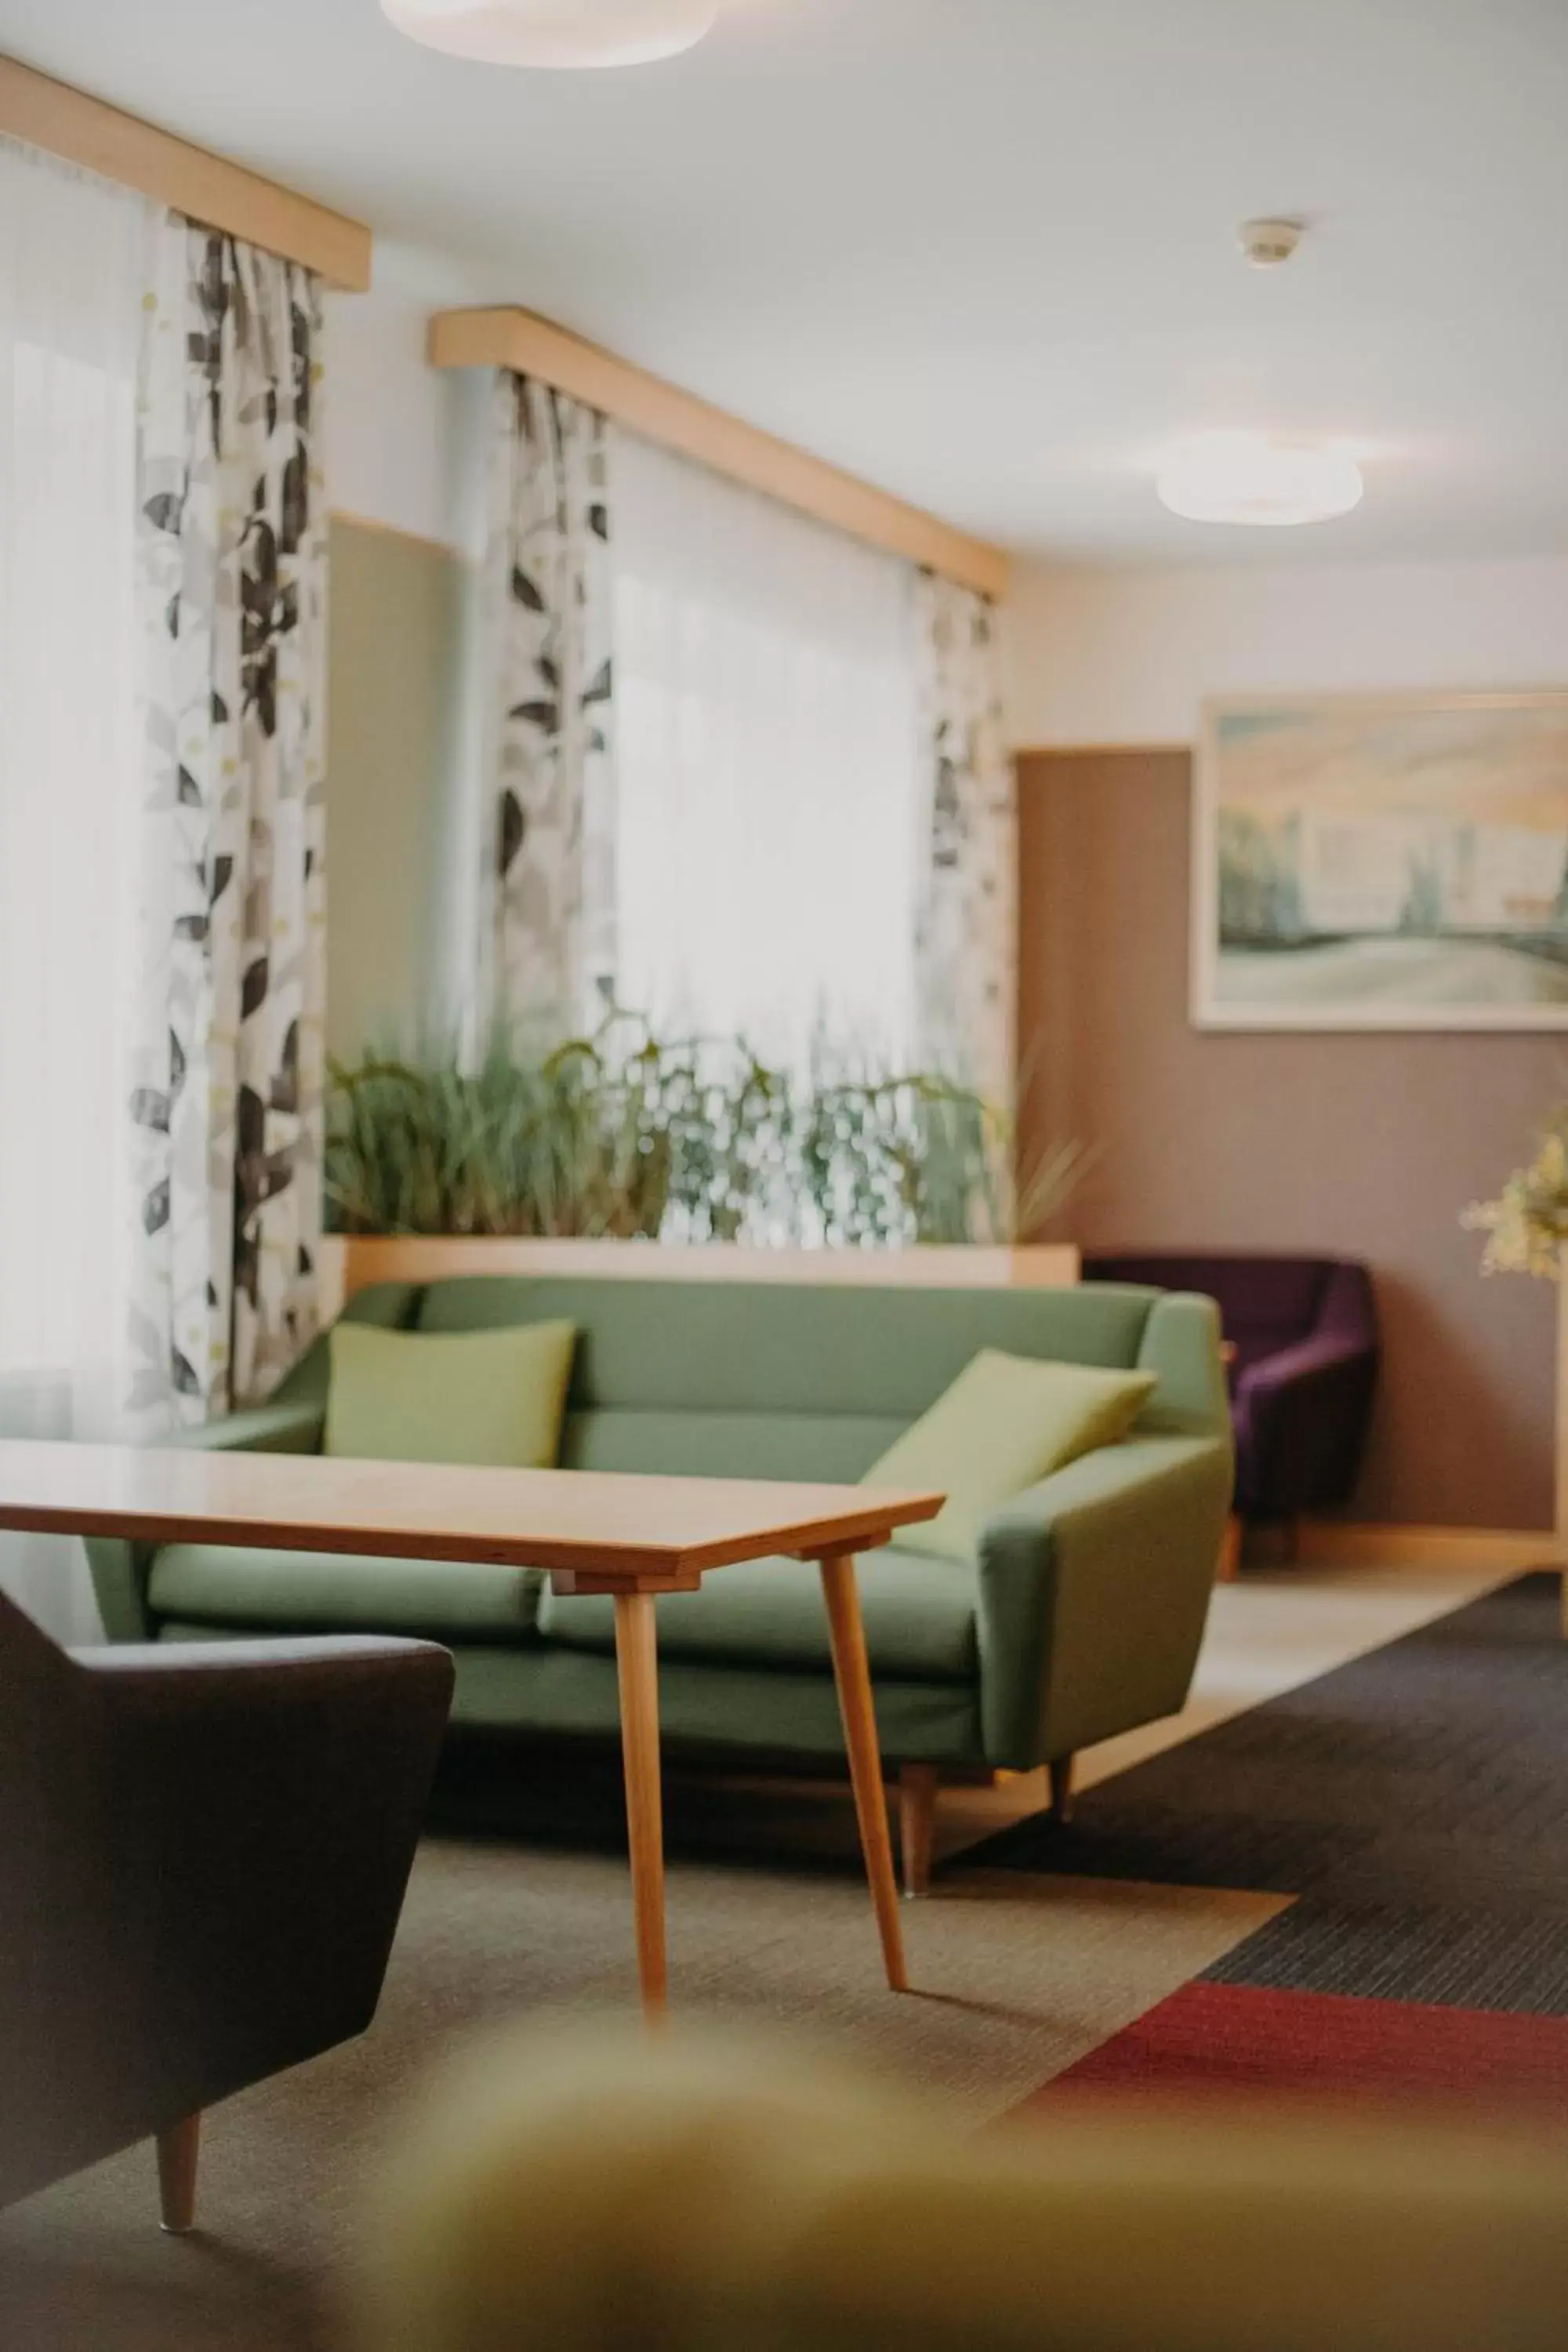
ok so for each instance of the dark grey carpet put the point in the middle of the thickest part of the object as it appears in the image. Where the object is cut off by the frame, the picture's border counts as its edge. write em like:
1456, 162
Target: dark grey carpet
1415, 1801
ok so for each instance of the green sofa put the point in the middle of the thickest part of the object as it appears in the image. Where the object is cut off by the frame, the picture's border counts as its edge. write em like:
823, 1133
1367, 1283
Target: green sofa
1080, 1618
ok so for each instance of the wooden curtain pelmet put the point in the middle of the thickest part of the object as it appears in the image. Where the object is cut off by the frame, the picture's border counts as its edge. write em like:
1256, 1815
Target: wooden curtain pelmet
214, 193
647, 404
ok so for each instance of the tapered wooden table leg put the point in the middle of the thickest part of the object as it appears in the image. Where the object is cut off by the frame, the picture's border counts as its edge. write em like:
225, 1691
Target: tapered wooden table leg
637, 1665
852, 1673
177, 2151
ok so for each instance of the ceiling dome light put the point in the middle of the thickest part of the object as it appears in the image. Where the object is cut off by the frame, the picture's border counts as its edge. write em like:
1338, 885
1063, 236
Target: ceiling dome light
555, 32
1252, 479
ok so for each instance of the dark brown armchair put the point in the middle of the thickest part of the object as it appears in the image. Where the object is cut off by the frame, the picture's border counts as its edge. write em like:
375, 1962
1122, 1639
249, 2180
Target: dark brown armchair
204, 1850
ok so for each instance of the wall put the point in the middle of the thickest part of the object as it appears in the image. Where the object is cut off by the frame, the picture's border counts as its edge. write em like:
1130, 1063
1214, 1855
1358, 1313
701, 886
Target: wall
399, 446
1126, 657
1362, 1144
392, 656
394, 425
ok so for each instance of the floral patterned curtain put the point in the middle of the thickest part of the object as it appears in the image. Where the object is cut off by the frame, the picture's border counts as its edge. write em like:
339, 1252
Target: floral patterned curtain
550, 760
965, 940
231, 580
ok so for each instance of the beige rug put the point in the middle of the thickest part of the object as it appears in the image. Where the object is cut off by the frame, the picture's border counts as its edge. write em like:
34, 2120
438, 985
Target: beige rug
1017, 1977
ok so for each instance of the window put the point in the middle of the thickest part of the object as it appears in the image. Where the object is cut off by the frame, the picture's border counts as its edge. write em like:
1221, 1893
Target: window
67, 839
767, 762
71, 315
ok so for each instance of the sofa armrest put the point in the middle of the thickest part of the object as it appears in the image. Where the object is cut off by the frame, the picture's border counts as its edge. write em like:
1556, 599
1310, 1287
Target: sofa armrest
1094, 1593
296, 1428
254, 1809
119, 1569
1300, 1422
1181, 1347
141, 1681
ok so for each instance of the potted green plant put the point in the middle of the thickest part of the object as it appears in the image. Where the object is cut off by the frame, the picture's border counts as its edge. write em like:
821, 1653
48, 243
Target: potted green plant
607, 1150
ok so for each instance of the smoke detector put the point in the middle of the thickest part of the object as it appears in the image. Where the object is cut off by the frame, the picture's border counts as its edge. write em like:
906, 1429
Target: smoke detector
1266, 243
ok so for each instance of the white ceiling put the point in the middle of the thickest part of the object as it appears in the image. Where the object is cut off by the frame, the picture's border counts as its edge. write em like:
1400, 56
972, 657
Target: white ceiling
980, 251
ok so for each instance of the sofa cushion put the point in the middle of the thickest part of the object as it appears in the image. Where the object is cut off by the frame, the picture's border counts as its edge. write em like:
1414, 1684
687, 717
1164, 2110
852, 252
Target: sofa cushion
343, 1593
474, 1397
920, 1616
800, 1348
1006, 1422
543, 1690
835, 1449
774, 1378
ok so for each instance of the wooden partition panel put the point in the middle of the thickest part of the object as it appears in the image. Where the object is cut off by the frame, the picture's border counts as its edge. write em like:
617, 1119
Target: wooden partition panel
351, 1262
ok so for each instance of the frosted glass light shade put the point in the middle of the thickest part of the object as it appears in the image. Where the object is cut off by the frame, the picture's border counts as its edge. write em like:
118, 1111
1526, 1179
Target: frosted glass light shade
557, 33
1250, 478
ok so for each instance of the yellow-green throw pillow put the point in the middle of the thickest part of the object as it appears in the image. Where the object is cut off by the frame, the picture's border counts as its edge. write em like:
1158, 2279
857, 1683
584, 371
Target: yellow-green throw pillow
1005, 1422
473, 1397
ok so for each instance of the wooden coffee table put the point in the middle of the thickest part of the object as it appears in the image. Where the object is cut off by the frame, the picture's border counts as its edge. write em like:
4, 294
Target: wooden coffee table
633, 1538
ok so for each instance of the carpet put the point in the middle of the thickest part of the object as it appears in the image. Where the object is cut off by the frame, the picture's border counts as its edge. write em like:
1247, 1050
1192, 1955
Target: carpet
1235, 2039
1415, 1804
1018, 1977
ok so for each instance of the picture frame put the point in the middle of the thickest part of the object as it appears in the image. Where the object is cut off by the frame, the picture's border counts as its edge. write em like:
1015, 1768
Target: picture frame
1381, 862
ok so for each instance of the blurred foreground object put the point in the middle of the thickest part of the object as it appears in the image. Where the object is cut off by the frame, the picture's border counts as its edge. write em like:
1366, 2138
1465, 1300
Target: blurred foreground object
203, 1849
592, 2192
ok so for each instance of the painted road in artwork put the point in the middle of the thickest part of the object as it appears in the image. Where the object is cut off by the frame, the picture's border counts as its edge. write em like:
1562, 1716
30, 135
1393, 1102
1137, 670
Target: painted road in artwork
1406, 971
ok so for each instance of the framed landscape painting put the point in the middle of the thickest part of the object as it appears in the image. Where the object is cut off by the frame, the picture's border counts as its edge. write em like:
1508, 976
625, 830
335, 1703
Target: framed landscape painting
1396, 863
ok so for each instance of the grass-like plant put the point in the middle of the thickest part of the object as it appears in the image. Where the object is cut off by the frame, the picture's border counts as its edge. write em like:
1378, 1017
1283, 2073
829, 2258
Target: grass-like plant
625, 1135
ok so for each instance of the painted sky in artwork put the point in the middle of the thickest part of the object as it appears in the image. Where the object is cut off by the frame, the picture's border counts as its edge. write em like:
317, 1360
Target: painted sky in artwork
1489, 766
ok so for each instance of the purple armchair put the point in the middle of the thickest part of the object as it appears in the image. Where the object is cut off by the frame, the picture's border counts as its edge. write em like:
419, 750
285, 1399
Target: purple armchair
1305, 1334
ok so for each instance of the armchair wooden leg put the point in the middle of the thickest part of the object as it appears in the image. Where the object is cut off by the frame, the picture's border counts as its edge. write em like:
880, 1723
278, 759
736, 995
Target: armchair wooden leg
1060, 1773
177, 2149
1230, 1551
917, 1821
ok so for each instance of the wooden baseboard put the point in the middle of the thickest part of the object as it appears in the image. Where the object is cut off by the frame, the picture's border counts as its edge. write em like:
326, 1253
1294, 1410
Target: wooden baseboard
1339, 1543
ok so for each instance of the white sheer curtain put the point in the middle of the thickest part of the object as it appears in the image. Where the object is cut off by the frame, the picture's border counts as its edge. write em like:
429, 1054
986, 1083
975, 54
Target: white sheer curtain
72, 270
767, 720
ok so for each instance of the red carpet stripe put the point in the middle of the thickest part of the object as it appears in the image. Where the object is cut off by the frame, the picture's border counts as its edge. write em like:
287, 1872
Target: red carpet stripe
1236, 2039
